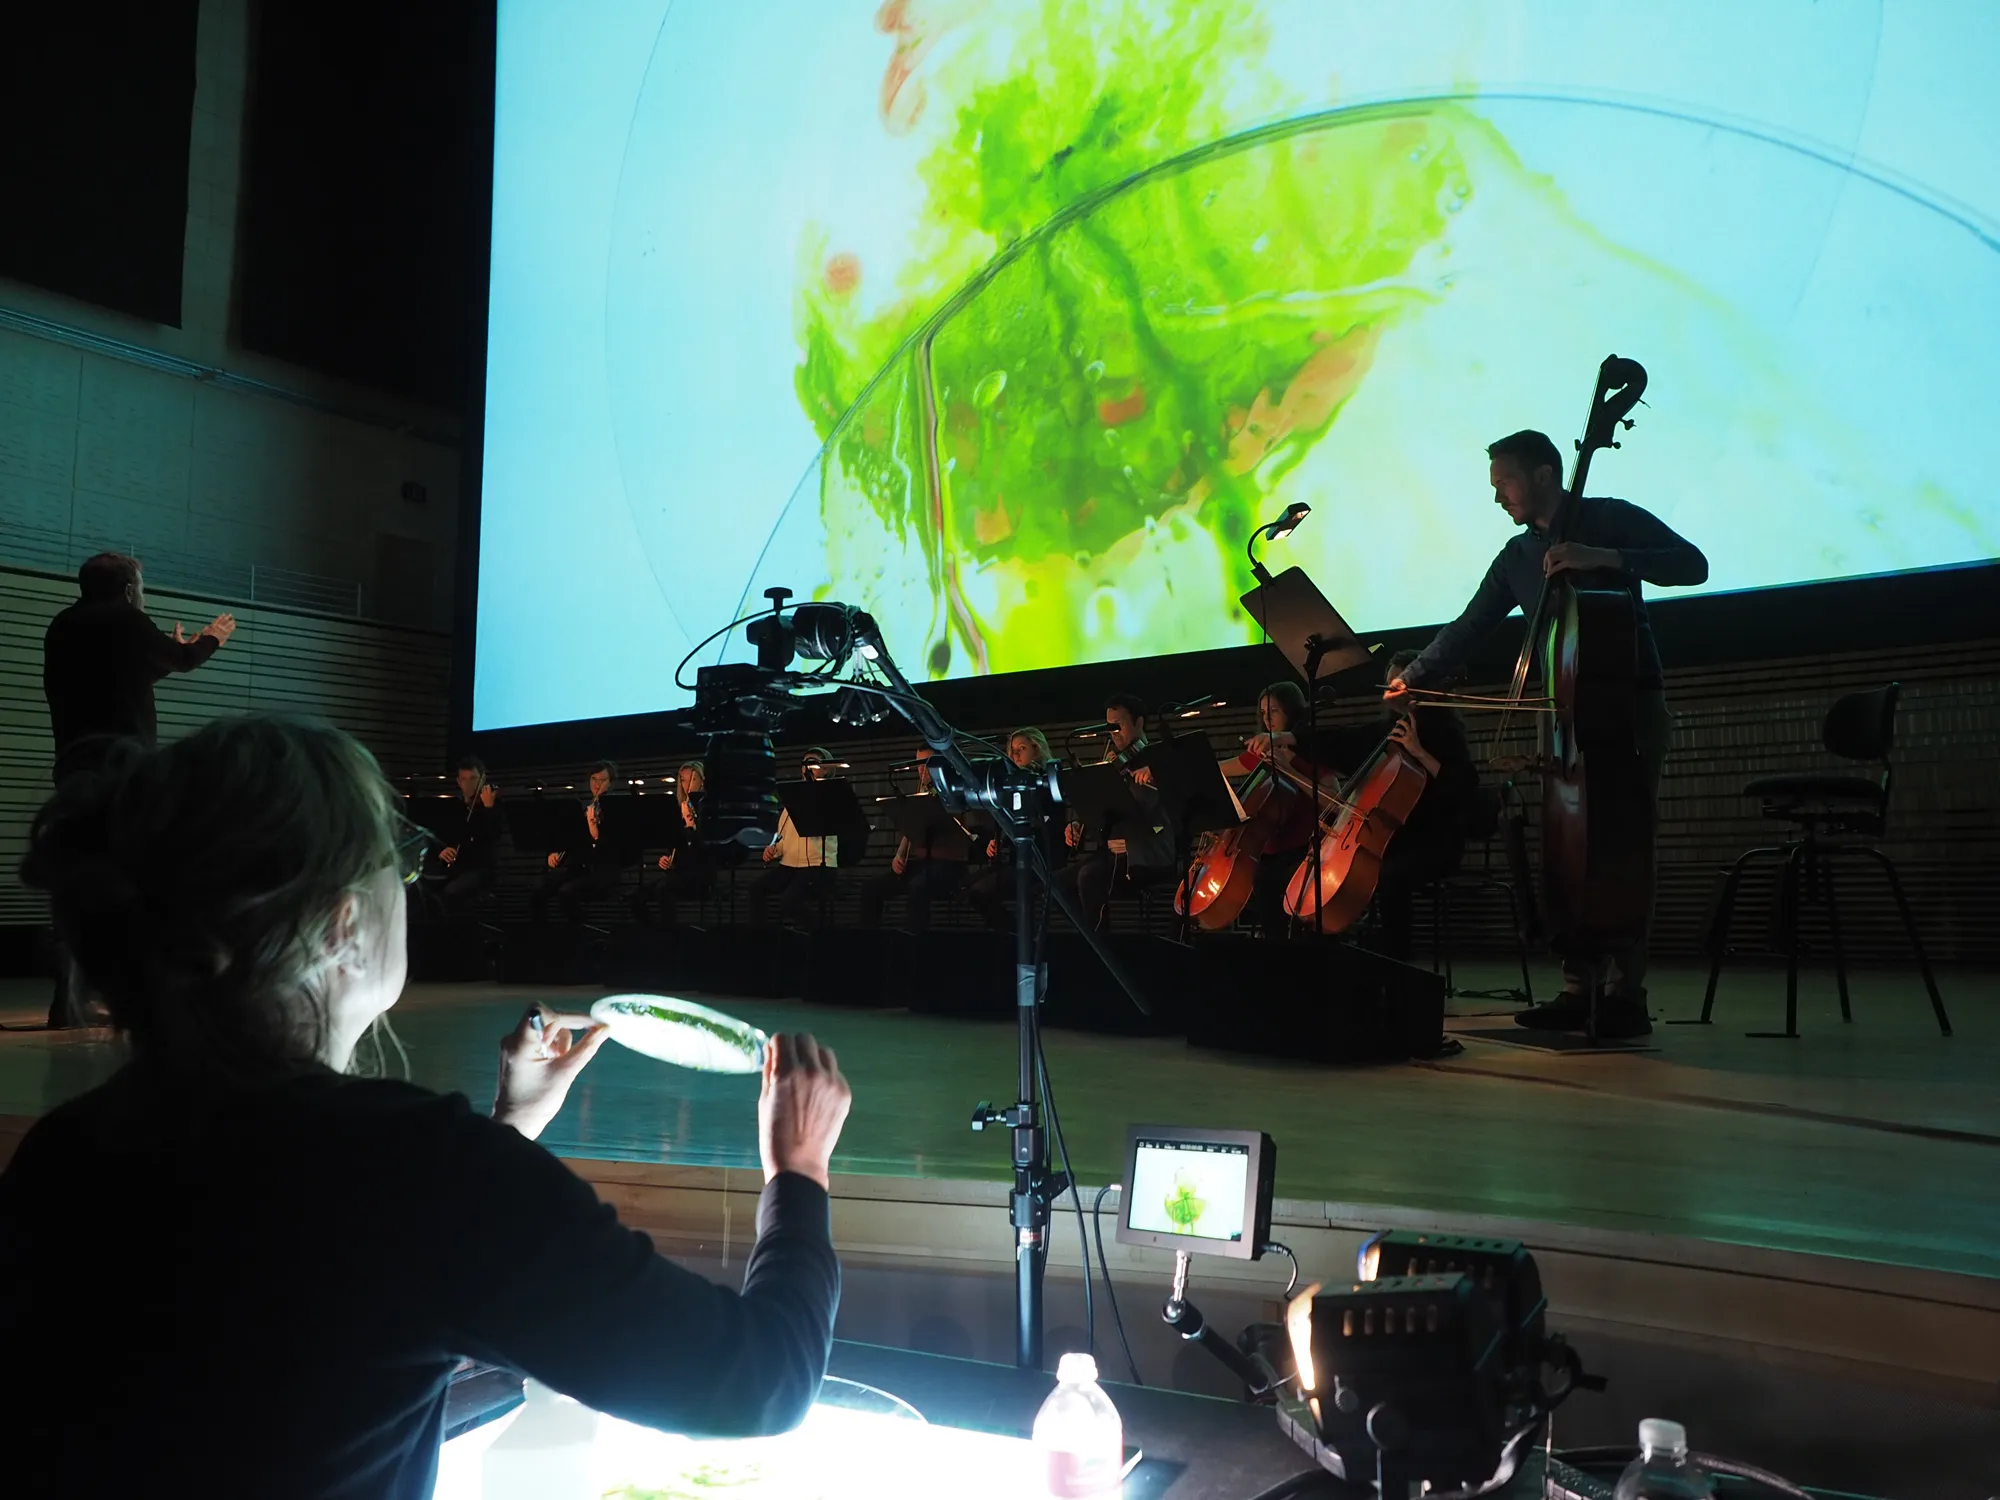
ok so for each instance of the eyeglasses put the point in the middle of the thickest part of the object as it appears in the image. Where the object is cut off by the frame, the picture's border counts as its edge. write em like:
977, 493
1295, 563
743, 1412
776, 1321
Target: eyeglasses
410, 851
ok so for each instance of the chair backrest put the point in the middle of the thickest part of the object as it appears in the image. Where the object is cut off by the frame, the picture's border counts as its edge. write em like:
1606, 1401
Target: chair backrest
1862, 726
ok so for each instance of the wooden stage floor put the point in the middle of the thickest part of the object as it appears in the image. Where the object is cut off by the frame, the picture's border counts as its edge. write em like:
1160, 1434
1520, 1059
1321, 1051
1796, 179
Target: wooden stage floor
1877, 1141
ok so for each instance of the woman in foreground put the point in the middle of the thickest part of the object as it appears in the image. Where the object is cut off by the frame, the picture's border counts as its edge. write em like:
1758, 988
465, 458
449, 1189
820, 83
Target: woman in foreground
236, 1269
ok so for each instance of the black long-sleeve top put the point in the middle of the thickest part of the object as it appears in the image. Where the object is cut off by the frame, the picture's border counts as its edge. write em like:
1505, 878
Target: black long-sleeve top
100, 659
1652, 552
479, 845
265, 1292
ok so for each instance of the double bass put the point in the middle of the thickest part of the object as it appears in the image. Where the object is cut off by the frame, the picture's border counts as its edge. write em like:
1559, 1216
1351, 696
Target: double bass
1597, 804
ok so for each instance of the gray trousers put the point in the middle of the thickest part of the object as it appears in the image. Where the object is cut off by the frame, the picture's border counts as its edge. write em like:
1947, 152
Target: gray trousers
1626, 972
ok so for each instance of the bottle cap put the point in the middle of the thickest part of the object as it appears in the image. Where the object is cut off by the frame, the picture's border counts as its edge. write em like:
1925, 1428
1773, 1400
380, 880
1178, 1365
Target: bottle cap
1074, 1369
1659, 1433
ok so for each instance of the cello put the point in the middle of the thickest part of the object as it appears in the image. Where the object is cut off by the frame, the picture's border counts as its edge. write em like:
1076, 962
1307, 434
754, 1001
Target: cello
1221, 877
1334, 885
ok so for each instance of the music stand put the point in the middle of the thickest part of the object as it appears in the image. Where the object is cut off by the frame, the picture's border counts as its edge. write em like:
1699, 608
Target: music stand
442, 815
920, 817
1294, 615
1189, 779
822, 809
544, 826
648, 821
1100, 798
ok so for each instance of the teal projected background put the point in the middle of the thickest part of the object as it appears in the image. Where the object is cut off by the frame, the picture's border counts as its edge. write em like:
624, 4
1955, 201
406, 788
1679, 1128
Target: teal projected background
1008, 321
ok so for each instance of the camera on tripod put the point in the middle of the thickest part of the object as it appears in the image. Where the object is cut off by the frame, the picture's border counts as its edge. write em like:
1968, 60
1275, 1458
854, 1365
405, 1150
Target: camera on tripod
995, 784
737, 707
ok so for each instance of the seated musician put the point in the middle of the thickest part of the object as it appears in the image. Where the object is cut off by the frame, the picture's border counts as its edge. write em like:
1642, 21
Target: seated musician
686, 873
1430, 845
797, 870
988, 887
467, 866
589, 870
1136, 857
1603, 544
919, 873
1281, 709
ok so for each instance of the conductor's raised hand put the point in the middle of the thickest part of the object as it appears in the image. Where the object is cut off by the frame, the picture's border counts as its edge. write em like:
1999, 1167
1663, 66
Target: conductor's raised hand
802, 1107
539, 1060
222, 627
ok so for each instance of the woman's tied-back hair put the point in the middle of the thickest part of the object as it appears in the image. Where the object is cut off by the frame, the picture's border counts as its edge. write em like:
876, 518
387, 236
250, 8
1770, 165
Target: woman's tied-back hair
196, 886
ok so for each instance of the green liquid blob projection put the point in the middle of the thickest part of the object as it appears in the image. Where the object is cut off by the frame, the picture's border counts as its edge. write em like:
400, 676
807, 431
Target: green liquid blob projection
1145, 342
1184, 1208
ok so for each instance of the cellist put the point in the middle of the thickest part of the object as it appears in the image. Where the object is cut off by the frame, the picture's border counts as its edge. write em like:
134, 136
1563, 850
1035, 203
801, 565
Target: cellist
1432, 842
1604, 544
1281, 710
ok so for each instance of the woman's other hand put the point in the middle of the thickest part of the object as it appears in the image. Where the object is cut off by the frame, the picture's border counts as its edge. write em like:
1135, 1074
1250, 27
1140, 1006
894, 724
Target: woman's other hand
803, 1105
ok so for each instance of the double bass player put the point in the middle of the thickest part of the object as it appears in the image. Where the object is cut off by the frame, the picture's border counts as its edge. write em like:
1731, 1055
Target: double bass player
1600, 544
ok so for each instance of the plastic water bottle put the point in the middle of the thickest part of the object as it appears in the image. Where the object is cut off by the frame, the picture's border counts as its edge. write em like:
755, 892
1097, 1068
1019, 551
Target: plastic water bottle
1078, 1434
1662, 1470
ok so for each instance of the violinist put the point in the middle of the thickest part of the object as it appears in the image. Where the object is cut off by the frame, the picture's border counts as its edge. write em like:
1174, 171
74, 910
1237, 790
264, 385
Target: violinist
1603, 544
1281, 710
797, 869
589, 869
468, 864
921, 870
1137, 857
685, 873
1431, 841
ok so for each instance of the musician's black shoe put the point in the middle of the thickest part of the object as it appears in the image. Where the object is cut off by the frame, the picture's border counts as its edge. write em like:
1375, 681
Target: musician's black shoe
1622, 1017
1564, 1013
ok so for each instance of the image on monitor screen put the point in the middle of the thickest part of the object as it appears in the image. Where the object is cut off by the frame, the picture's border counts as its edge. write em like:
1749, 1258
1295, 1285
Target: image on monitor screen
1195, 1188
1007, 322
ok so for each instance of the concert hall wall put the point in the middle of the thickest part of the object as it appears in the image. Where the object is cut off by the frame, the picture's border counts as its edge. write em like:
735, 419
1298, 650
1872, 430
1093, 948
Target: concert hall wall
1009, 322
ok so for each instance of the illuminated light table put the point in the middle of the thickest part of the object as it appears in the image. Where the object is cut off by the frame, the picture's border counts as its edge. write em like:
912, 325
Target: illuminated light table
971, 1445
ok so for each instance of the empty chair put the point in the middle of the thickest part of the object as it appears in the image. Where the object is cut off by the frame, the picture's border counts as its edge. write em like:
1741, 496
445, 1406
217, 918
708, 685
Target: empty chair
1832, 816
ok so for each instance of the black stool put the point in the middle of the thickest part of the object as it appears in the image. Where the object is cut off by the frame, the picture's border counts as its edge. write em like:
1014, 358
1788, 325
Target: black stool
1831, 816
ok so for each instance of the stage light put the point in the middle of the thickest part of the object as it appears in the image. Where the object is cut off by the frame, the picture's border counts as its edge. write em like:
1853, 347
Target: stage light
1431, 1367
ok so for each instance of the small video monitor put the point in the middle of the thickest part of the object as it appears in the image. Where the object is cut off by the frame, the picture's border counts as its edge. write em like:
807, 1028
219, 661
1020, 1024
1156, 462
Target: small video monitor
1207, 1192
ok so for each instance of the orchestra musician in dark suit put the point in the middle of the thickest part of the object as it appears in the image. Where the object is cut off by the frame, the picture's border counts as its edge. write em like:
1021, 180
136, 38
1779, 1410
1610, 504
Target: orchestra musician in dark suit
686, 873
469, 864
987, 889
919, 873
1136, 857
588, 870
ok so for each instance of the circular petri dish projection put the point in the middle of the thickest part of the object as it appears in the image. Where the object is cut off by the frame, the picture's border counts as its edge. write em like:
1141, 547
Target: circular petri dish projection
1343, 308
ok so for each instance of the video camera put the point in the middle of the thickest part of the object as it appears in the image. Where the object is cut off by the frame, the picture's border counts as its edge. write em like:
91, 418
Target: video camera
738, 706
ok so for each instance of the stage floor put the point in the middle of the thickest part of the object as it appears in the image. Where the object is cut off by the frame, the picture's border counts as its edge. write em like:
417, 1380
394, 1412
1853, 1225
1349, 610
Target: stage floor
1877, 1141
